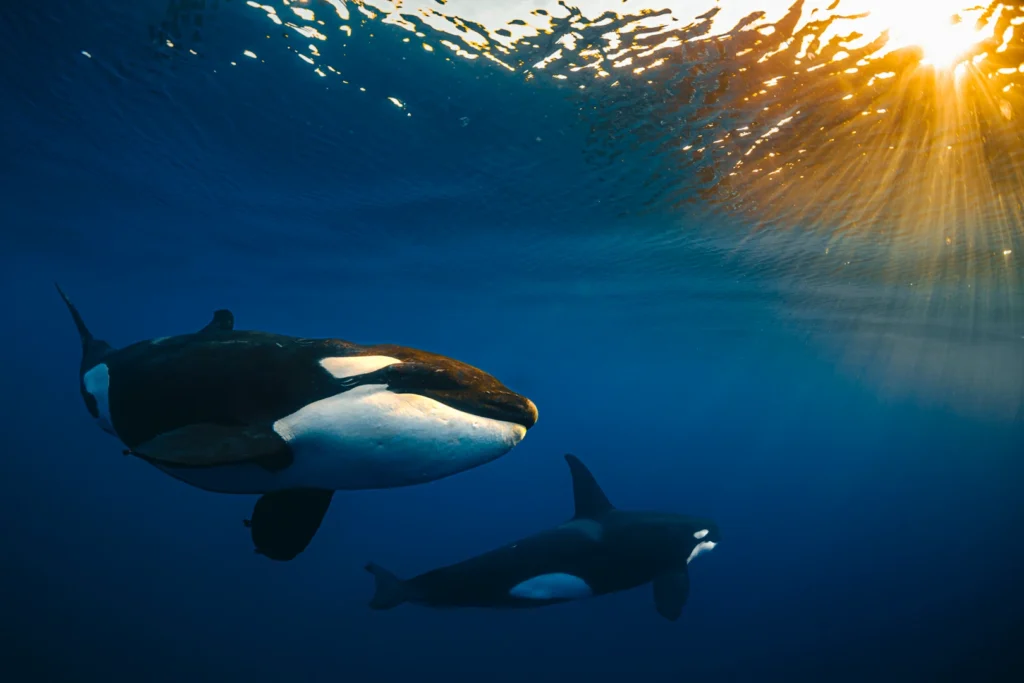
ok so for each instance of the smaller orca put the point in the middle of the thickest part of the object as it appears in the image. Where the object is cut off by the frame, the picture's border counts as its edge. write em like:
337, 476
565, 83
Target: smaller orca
600, 550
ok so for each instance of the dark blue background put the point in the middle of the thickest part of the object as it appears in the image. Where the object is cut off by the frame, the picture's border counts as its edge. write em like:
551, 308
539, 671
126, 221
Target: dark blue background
867, 536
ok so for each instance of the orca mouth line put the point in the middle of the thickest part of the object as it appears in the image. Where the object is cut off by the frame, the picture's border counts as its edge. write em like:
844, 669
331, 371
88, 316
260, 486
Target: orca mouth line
531, 414
523, 412
457, 385
510, 407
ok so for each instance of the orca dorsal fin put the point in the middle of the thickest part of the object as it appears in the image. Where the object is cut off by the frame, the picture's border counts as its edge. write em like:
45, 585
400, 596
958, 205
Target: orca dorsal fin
93, 350
590, 500
223, 321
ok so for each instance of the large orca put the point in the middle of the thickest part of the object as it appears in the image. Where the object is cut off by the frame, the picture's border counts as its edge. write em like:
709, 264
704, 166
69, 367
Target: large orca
295, 419
600, 550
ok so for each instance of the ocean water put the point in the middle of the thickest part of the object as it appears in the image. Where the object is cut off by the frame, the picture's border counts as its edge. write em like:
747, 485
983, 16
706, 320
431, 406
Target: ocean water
753, 260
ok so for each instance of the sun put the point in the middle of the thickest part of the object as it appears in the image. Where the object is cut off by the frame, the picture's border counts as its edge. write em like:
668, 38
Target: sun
945, 40
945, 30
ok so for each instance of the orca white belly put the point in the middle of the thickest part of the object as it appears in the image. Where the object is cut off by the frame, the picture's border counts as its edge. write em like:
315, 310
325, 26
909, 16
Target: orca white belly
367, 438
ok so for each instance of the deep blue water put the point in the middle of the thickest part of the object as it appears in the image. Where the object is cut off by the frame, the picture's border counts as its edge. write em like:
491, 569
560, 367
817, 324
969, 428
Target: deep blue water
861, 453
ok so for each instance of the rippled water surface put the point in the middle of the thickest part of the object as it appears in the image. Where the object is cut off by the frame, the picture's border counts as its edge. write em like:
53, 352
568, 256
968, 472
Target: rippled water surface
861, 116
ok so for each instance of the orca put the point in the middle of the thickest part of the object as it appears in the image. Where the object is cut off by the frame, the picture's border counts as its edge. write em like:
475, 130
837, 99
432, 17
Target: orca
600, 550
295, 419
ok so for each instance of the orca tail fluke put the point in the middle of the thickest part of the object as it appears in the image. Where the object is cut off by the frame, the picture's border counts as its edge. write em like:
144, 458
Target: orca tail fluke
83, 330
92, 349
391, 591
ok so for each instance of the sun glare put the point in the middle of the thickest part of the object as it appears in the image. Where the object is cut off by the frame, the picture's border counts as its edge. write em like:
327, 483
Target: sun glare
944, 31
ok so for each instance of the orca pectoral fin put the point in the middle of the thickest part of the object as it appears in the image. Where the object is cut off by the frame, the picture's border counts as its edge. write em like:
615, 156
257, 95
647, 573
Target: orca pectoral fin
284, 522
670, 593
212, 445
